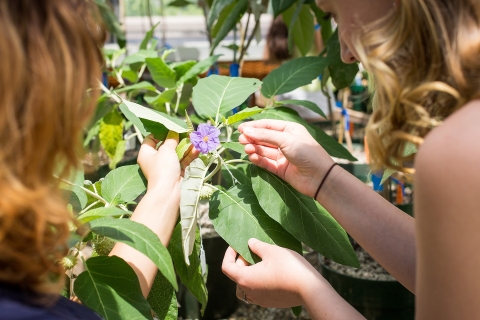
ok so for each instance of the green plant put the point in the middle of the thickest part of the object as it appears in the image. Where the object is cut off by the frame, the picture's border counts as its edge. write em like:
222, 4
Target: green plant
245, 201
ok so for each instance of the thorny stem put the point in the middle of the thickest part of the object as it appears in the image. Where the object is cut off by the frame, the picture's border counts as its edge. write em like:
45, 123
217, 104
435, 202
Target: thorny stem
179, 96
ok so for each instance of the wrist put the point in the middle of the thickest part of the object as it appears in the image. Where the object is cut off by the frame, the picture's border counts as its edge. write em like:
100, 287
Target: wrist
319, 176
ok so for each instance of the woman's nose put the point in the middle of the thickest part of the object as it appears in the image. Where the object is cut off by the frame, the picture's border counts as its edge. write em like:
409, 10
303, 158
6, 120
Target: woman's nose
347, 55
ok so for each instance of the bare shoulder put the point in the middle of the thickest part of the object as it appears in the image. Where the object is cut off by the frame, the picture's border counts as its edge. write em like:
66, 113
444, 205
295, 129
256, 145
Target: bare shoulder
455, 142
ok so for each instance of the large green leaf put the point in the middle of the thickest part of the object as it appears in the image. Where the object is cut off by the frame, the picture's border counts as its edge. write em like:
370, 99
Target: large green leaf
142, 112
217, 7
235, 146
101, 212
158, 101
280, 6
161, 72
110, 287
111, 132
302, 216
141, 238
190, 275
148, 37
330, 145
124, 184
190, 195
292, 75
215, 95
119, 153
134, 119
198, 68
238, 209
162, 299
304, 103
342, 74
227, 21
244, 114
78, 197
240, 172
301, 31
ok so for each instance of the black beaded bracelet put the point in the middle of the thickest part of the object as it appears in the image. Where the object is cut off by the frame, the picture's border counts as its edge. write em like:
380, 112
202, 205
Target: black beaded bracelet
323, 180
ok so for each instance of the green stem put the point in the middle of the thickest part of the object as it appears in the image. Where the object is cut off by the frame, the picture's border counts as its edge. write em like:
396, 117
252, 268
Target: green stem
90, 206
237, 161
93, 194
217, 168
179, 96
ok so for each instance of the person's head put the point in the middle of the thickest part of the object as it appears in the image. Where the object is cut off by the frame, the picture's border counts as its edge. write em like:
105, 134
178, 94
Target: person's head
277, 42
49, 58
423, 55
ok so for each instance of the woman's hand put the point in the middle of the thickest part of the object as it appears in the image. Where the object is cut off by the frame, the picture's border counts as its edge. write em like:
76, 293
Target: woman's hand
287, 150
161, 166
282, 279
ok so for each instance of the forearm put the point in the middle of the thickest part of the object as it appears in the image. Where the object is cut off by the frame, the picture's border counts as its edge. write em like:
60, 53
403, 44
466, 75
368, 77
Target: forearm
158, 211
384, 231
324, 303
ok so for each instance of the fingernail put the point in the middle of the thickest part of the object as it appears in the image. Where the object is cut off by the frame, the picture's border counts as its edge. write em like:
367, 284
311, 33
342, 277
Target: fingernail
249, 130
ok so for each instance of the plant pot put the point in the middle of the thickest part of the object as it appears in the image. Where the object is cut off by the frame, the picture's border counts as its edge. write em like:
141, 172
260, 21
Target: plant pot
376, 300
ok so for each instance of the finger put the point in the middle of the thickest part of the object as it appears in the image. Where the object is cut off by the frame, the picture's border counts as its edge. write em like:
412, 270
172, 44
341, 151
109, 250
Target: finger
243, 139
267, 152
267, 137
268, 164
191, 155
171, 141
242, 262
148, 148
260, 248
229, 266
277, 125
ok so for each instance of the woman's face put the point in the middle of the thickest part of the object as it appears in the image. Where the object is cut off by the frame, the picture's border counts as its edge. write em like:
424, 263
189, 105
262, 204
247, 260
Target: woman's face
351, 15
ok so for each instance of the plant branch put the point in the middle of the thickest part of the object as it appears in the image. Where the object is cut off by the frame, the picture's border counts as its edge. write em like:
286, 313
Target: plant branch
93, 194
245, 48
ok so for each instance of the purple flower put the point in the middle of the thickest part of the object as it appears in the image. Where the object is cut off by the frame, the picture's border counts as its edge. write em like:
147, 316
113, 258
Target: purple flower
205, 139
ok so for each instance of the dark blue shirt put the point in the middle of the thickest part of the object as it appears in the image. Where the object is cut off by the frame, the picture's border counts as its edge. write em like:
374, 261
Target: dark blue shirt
18, 304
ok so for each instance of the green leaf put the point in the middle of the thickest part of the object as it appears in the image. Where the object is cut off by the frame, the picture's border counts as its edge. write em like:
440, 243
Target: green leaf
144, 85
410, 149
292, 75
134, 119
217, 7
190, 275
342, 74
119, 153
158, 102
129, 74
141, 238
179, 3
190, 195
235, 146
182, 67
297, 310
161, 72
110, 287
140, 56
304, 103
78, 197
198, 68
97, 189
325, 24
184, 146
111, 132
162, 299
244, 114
302, 216
240, 172
142, 112
102, 212
280, 6
111, 22
124, 184
330, 145
238, 209
148, 37
227, 21
301, 27
215, 95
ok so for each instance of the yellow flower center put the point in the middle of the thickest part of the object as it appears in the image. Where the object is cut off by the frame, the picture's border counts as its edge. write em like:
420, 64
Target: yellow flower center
205, 138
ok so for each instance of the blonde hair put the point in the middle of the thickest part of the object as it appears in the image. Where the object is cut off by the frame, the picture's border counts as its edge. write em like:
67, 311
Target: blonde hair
424, 59
50, 56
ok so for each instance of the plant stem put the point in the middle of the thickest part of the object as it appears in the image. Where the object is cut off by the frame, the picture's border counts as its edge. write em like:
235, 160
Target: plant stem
214, 170
142, 70
93, 194
237, 161
245, 48
90, 206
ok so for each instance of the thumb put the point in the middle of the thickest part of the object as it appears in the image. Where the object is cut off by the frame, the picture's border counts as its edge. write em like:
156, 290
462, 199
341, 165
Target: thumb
171, 141
260, 248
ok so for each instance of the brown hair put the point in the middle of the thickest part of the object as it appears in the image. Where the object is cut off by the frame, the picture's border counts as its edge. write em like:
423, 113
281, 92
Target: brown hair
277, 42
424, 59
50, 57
